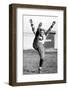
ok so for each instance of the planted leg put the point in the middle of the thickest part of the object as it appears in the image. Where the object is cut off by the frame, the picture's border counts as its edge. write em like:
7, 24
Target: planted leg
41, 51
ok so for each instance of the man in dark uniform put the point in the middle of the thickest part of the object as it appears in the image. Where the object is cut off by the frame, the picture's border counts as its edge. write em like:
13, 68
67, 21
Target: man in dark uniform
40, 38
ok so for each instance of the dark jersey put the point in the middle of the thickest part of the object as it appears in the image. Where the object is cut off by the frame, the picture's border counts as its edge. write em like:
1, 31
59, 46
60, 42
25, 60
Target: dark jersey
37, 38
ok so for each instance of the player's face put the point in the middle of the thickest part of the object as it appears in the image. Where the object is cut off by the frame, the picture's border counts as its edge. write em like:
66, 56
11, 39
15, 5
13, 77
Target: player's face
42, 33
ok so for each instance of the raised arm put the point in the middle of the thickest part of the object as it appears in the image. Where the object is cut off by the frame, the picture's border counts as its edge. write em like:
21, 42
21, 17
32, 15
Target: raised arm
32, 26
53, 23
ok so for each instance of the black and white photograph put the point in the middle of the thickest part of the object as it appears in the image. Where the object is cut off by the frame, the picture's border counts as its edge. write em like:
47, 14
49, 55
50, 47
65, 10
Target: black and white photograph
39, 44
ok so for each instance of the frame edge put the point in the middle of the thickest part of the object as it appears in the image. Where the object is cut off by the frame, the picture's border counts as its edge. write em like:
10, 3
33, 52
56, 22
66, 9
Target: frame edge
12, 46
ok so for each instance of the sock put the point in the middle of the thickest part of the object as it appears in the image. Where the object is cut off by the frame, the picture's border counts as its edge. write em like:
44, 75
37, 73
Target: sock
41, 62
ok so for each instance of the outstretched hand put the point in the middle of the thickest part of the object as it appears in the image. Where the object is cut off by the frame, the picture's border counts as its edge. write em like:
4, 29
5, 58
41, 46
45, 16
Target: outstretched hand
32, 26
53, 22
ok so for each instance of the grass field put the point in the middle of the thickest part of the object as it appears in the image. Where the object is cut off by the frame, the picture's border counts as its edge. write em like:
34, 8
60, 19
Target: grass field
31, 62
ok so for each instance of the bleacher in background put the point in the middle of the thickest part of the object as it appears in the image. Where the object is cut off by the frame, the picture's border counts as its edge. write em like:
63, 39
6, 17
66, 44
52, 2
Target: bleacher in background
50, 42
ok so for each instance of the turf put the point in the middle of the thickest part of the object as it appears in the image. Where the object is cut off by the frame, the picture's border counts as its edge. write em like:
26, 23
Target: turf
31, 62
